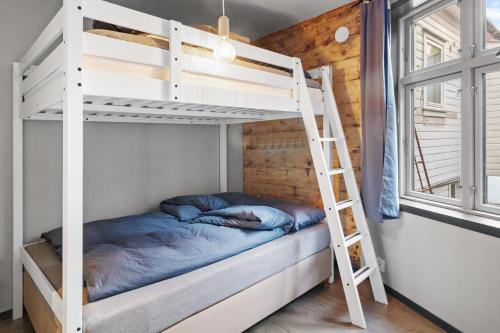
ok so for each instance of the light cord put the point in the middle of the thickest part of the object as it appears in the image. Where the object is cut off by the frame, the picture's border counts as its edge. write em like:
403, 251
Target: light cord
223, 8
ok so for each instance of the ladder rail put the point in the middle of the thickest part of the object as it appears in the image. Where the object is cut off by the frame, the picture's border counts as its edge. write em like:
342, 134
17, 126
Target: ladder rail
422, 161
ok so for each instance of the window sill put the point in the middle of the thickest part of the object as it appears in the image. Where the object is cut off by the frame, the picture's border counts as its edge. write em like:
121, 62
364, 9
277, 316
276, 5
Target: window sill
481, 224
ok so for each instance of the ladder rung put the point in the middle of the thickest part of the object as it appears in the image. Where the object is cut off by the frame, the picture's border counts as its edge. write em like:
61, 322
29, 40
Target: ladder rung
332, 172
328, 139
361, 274
344, 204
353, 238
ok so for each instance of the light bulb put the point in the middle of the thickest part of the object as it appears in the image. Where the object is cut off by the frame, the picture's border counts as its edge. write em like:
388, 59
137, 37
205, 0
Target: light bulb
224, 51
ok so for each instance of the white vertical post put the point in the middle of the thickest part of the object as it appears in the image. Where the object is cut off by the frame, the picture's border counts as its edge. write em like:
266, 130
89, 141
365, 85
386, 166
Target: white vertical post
175, 48
327, 149
223, 158
72, 167
17, 195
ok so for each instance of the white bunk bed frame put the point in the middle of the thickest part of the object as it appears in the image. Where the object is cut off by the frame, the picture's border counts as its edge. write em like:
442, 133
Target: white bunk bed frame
51, 83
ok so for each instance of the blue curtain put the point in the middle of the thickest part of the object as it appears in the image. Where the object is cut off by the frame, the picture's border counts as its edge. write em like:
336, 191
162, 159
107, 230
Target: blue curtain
379, 167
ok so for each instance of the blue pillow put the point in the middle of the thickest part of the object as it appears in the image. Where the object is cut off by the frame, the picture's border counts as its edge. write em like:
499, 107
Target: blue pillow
304, 216
248, 217
182, 212
202, 202
238, 198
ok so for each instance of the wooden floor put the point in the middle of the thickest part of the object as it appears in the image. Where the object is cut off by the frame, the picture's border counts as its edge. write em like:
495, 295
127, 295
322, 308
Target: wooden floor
321, 310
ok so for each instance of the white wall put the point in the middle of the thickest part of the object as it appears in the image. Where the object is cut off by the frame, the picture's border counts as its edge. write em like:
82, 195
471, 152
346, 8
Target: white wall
128, 168
451, 272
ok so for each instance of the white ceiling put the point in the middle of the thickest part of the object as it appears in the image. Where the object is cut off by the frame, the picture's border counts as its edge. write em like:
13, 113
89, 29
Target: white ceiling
252, 18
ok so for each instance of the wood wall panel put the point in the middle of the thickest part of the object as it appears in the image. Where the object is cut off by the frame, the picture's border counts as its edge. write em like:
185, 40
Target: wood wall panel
277, 160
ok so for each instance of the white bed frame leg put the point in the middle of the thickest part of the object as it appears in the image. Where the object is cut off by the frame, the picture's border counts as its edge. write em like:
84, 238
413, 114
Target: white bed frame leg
17, 195
72, 167
223, 158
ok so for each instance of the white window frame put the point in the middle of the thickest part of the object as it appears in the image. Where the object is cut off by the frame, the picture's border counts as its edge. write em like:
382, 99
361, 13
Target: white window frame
479, 142
410, 143
472, 60
480, 16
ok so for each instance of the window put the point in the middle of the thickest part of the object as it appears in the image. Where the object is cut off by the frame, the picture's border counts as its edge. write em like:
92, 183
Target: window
435, 37
436, 144
433, 50
491, 27
433, 55
449, 93
434, 95
488, 142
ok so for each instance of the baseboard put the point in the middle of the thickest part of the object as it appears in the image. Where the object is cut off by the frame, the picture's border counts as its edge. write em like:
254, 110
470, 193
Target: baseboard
6, 315
423, 312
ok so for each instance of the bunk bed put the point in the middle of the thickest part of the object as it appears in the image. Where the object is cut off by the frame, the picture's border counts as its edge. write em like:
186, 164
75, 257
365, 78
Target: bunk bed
163, 74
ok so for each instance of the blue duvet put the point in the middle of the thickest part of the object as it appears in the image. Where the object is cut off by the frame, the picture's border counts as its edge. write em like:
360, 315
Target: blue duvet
127, 253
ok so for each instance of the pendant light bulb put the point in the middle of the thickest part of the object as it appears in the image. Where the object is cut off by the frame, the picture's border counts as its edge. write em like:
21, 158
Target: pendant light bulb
224, 51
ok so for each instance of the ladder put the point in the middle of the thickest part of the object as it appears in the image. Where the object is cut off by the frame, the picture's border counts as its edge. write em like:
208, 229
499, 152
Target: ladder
340, 242
424, 189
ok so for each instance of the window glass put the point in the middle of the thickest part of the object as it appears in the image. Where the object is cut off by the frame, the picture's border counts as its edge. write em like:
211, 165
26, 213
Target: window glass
436, 37
434, 95
492, 24
433, 52
437, 136
492, 138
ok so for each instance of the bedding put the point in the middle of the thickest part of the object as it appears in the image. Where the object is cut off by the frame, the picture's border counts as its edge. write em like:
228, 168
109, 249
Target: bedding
127, 264
248, 217
202, 202
126, 253
303, 216
109, 230
182, 212
130, 252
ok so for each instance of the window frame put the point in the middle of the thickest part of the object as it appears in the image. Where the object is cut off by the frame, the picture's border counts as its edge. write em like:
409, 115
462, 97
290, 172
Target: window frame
472, 58
420, 12
480, 16
480, 108
410, 142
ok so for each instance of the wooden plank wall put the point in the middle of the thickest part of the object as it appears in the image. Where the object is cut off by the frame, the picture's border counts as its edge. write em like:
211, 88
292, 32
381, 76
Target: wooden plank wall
277, 161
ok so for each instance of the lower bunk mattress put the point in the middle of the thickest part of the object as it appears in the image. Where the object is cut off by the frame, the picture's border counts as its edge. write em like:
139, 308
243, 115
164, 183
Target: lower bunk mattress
160, 305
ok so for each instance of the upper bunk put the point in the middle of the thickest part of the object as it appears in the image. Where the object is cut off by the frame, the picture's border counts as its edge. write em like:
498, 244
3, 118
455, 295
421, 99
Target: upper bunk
162, 71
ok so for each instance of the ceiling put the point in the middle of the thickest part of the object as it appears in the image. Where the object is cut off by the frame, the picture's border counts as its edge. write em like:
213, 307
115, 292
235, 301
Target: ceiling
251, 18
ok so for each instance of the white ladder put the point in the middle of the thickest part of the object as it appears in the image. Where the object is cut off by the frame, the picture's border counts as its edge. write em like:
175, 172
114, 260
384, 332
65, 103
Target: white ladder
321, 158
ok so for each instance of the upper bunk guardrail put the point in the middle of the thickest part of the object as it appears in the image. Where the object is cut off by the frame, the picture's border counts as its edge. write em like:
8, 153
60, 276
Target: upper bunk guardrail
179, 61
41, 84
45, 40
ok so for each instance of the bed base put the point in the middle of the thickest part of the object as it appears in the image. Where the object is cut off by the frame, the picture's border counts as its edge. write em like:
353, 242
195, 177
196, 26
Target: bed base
227, 316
